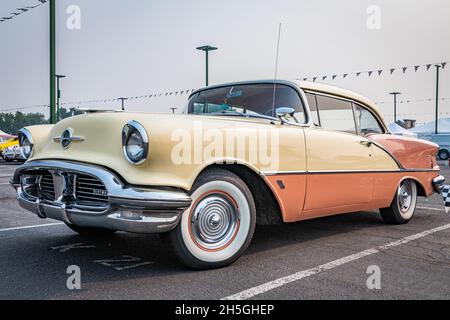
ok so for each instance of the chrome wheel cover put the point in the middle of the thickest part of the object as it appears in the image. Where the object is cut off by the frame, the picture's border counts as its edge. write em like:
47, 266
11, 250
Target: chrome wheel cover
405, 196
215, 221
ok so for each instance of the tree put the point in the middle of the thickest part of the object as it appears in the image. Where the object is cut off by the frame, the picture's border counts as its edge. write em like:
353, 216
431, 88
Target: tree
12, 123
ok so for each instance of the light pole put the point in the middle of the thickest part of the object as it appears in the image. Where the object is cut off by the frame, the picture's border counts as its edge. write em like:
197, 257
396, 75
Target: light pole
395, 94
58, 95
123, 102
52, 36
173, 110
438, 67
207, 49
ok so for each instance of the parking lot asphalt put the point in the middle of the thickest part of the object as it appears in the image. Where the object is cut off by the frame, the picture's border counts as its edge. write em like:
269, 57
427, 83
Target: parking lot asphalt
321, 259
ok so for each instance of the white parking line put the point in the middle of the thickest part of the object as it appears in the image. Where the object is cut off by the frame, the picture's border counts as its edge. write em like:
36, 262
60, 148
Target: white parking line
432, 209
249, 293
31, 227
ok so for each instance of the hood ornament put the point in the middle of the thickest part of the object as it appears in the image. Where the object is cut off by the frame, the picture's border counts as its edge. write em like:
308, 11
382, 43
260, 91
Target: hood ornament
66, 138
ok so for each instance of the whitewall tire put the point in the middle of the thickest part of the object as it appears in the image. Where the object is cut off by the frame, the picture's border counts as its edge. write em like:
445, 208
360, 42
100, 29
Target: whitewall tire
219, 225
403, 205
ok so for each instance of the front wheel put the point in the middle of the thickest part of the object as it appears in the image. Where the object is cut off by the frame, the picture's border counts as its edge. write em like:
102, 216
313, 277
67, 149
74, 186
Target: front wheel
403, 206
218, 227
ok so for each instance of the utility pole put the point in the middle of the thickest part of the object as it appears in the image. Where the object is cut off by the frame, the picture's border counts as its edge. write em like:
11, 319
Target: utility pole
207, 49
436, 129
123, 102
52, 5
395, 94
58, 96
173, 110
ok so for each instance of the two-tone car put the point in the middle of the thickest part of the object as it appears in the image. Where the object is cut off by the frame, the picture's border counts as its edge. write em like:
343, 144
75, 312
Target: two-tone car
245, 153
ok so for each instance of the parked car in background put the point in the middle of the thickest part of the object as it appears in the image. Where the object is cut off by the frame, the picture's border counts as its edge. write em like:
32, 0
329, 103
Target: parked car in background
266, 152
441, 139
7, 141
13, 153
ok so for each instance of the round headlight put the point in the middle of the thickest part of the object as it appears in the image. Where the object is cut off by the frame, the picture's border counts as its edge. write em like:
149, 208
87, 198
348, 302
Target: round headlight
26, 143
135, 142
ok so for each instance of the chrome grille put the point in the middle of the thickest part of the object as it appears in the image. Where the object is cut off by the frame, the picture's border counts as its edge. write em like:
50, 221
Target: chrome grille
75, 190
46, 188
90, 189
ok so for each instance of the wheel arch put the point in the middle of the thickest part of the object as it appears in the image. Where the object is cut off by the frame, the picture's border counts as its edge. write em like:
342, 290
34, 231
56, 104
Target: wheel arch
268, 210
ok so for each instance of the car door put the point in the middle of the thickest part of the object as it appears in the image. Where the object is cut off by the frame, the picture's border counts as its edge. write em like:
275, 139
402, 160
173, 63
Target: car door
339, 161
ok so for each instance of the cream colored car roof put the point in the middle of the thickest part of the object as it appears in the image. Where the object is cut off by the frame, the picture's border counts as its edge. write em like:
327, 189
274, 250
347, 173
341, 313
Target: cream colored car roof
333, 90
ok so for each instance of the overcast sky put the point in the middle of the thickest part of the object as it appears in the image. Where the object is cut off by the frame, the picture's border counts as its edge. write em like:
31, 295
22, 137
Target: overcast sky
141, 47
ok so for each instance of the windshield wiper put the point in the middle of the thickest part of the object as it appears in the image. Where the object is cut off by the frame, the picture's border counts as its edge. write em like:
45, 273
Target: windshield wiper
241, 114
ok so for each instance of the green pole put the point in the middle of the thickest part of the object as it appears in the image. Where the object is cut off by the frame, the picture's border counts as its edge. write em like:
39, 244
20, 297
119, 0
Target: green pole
52, 61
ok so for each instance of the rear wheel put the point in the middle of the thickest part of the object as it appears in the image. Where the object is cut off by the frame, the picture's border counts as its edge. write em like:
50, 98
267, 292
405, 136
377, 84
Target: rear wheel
218, 227
403, 206
88, 231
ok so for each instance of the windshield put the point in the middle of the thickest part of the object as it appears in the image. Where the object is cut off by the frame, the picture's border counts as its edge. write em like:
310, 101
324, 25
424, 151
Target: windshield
247, 100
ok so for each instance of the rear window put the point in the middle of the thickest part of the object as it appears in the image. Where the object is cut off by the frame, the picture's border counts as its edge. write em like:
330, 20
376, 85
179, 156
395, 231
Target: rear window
262, 99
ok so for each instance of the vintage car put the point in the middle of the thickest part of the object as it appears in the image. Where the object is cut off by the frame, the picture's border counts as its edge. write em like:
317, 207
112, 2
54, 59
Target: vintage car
13, 153
247, 153
7, 141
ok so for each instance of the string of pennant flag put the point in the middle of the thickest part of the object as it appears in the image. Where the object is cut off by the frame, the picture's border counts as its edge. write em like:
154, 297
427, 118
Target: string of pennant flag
22, 10
109, 100
378, 72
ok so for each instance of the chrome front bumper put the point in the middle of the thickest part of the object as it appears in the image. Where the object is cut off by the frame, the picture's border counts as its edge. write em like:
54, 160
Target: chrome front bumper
438, 184
131, 209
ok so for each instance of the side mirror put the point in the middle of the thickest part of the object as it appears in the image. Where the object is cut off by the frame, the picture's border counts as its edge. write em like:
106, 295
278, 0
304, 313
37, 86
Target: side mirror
284, 112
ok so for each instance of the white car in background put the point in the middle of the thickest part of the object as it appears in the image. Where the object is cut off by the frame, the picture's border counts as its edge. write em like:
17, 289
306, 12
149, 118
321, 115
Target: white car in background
12, 154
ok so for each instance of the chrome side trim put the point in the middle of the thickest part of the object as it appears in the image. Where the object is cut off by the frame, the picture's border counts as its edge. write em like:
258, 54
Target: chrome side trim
276, 173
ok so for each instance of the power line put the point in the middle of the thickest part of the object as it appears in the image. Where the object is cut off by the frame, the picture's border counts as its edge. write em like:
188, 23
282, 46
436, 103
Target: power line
20, 11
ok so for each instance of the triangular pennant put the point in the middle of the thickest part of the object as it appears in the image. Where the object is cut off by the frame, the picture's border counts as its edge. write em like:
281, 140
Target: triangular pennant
444, 64
334, 76
428, 66
404, 69
314, 79
324, 78
305, 79
358, 74
416, 68
380, 72
345, 75
370, 73
392, 70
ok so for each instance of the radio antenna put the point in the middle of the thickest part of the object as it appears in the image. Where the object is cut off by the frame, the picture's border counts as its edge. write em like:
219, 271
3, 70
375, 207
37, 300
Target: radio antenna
276, 70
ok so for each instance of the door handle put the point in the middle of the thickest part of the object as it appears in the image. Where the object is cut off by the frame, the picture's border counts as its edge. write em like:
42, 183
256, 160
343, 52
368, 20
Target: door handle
366, 143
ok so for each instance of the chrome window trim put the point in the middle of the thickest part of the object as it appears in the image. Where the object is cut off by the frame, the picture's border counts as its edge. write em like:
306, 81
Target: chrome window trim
140, 128
308, 119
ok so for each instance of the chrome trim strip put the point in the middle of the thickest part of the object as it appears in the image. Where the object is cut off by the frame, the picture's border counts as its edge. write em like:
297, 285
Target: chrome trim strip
276, 173
25, 132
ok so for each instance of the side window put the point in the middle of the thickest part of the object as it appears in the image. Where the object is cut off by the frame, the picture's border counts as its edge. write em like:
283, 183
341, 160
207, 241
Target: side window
365, 121
313, 107
336, 114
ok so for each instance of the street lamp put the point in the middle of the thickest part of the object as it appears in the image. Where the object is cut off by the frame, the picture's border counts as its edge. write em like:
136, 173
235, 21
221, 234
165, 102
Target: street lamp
437, 99
123, 102
58, 95
207, 49
173, 110
395, 94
